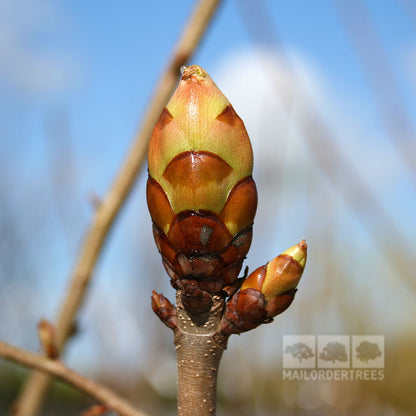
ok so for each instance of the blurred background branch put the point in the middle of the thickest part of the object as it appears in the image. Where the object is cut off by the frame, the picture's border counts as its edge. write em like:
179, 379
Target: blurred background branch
36, 386
382, 79
58, 370
321, 141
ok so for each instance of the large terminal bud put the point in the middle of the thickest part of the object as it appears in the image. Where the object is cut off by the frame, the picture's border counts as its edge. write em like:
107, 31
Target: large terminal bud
200, 193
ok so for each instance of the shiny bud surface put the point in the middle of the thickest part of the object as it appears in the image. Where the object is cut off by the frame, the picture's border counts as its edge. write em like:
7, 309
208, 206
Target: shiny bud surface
164, 310
200, 193
267, 292
280, 274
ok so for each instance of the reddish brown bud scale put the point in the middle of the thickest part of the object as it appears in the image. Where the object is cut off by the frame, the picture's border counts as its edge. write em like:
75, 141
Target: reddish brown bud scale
164, 310
200, 193
159, 206
266, 293
277, 305
245, 311
194, 298
255, 279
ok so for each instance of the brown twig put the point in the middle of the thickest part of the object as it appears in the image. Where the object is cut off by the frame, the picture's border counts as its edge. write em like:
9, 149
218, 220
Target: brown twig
199, 348
37, 384
58, 370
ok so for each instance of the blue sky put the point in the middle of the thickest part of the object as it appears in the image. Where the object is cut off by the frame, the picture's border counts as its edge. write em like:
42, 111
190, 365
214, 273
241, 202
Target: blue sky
77, 75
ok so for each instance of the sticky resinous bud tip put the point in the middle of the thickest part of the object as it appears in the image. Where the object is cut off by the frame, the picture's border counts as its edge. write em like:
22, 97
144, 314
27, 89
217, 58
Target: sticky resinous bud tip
193, 71
298, 252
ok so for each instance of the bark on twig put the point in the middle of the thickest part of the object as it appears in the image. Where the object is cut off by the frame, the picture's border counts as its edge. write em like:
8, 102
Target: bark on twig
58, 370
199, 349
37, 384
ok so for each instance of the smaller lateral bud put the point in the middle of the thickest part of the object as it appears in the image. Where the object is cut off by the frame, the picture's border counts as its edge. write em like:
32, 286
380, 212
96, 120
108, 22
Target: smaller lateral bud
164, 310
266, 293
47, 337
280, 274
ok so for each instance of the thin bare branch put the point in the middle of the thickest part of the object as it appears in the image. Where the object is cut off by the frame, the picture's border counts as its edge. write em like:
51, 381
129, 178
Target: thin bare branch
380, 76
58, 370
36, 386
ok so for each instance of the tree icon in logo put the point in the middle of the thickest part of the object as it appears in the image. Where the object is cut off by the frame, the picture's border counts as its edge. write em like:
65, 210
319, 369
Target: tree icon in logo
334, 351
368, 351
300, 351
